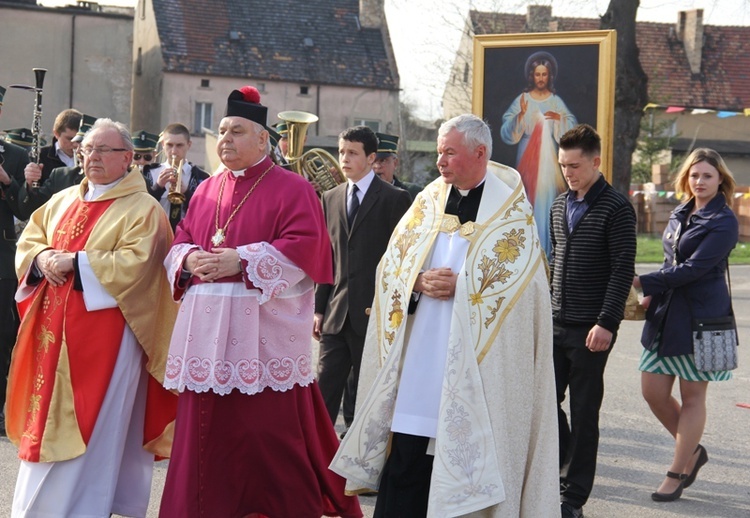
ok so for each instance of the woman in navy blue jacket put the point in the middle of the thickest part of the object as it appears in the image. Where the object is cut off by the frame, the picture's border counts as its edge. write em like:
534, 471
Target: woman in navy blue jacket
691, 283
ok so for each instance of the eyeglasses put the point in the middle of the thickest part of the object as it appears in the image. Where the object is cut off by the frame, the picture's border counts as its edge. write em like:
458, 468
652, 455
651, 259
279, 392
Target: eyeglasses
102, 150
147, 158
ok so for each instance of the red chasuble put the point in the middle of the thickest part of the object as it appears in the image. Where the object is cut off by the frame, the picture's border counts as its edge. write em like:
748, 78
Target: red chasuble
55, 321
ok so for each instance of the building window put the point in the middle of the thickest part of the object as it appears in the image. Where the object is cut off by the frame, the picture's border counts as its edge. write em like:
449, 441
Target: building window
373, 125
304, 90
142, 9
203, 117
139, 62
466, 72
205, 83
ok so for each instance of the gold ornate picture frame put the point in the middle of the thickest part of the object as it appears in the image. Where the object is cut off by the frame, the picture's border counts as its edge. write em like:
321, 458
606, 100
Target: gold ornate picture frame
585, 80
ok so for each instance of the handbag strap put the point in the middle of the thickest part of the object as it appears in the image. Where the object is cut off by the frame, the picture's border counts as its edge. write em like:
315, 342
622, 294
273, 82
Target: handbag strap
729, 284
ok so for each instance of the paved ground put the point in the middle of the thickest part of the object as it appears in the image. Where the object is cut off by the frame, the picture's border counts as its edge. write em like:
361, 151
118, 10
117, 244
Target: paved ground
634, 451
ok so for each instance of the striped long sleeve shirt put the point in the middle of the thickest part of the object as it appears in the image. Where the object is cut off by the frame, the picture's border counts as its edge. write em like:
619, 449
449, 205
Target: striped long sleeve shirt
592, 266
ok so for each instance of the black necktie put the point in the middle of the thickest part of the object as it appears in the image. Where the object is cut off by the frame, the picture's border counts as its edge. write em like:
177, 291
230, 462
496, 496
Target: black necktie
353, 206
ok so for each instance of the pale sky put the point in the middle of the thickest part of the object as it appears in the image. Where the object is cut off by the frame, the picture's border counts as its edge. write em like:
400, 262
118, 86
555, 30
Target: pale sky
425, 33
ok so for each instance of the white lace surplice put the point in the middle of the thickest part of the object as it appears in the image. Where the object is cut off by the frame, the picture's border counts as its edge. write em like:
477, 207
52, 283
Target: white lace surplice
228, 336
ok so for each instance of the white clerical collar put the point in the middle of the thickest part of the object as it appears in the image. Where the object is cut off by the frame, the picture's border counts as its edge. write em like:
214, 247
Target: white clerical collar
465, 192
96, 190
363, 183
241, 172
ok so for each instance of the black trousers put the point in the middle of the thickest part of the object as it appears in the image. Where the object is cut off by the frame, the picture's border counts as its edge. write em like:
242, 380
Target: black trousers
405, 485
340, 357
581, 373
8, 330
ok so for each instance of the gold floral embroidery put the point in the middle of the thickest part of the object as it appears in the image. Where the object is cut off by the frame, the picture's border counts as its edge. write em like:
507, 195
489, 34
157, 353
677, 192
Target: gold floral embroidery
417, 216
515, 206
396, 315
406, 240
396, 265
506, 250
493, 311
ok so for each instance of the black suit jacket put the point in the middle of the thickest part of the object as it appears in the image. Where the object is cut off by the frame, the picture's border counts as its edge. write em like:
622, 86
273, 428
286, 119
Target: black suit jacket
49, 161
61, 178
14, 160
357, 252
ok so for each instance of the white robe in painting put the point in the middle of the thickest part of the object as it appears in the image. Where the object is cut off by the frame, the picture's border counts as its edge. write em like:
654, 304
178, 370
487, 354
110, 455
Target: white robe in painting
496, 452
536, 160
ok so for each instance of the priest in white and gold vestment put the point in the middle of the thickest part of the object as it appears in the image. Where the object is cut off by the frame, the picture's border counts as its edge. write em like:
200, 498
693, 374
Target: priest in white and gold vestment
457, 400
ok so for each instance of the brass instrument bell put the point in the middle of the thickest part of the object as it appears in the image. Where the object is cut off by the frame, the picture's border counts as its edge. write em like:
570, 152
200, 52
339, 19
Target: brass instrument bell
175, 195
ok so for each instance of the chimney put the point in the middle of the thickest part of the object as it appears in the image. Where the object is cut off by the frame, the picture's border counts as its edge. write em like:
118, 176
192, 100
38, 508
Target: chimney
690, 32
538, 18
371, 14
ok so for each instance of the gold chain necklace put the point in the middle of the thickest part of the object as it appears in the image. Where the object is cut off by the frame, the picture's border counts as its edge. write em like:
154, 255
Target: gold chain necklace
220, 234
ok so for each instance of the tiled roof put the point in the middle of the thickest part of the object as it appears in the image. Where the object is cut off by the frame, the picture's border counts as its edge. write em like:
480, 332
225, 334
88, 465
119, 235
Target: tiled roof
724, 81
316, 41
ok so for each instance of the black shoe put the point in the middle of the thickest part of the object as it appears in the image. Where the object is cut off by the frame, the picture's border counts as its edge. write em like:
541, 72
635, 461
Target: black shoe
702, 459
568, 511
674, 495
343, 434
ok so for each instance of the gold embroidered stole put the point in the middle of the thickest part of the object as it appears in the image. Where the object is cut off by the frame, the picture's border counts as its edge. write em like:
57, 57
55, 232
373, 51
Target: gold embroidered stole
503, 254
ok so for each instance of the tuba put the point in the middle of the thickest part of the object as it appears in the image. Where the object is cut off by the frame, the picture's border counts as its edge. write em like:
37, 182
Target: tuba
317, 165
175, 195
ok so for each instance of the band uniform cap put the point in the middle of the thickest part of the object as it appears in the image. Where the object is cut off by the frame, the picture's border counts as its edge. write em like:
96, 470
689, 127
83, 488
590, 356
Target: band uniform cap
20, 136
2, 94
144, 141
282, 128
387, 145
86, 122
245, 103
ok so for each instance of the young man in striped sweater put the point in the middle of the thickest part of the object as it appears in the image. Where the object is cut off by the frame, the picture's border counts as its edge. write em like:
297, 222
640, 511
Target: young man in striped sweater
593, 255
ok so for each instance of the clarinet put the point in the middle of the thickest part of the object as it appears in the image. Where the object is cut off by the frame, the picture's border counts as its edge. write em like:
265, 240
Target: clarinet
36, 125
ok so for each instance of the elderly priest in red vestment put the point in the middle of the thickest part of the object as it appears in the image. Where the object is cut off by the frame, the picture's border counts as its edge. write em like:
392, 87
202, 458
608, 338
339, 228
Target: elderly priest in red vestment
86, 407
252, 435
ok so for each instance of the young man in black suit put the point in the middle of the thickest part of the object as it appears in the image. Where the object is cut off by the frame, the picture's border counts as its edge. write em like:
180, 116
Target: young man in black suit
361, 215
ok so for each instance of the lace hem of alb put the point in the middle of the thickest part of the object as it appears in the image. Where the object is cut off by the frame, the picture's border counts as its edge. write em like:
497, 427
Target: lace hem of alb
247, 376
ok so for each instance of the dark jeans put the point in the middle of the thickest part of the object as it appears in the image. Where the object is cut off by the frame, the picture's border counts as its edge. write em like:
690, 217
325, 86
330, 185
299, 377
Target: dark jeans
340, 357
581, 372
8, 330
405, 485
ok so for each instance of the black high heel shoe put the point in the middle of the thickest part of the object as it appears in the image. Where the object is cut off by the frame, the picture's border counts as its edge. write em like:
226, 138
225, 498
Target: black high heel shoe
702, 459
674, 495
